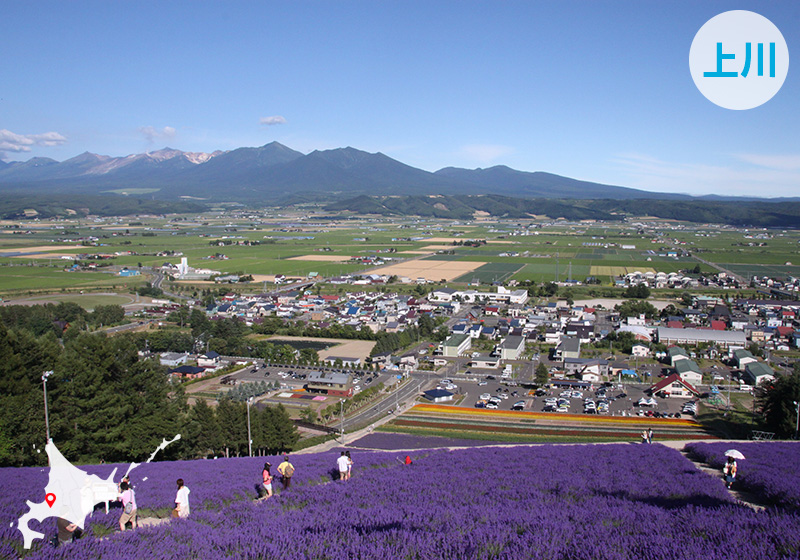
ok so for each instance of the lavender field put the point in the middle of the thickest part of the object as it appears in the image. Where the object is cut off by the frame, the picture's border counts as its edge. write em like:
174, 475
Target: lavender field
771, 470
556, 502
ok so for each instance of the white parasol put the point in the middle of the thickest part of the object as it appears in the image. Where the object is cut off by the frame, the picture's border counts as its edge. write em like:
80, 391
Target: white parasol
734, 453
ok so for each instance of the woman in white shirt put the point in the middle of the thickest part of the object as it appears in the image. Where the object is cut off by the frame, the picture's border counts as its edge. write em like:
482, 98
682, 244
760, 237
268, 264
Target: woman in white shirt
182, 500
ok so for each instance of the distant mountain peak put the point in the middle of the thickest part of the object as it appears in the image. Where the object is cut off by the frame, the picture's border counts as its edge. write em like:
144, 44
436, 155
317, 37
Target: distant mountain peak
275, 170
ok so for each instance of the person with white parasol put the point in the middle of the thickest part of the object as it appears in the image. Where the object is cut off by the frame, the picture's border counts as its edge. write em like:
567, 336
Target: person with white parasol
730, 468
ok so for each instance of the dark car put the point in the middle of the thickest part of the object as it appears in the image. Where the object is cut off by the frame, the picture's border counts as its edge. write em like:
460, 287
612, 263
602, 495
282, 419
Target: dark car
490, 377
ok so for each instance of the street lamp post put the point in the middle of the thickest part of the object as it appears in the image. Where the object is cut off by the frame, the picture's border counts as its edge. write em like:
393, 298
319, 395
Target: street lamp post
341, 415
45, 375
249, 437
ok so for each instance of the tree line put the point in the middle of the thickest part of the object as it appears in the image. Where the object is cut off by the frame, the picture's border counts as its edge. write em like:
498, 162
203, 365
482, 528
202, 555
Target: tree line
106, 403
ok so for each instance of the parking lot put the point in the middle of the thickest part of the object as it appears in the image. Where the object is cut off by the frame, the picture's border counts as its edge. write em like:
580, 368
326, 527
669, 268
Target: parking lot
294, 377
508, 395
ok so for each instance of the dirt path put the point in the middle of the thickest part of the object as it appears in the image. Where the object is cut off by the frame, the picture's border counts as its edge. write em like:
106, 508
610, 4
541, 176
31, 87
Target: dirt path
152, 521
742, 497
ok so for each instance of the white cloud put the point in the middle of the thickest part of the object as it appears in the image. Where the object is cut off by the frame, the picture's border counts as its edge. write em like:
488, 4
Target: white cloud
485, 153
151, 134
12, 142
757, 176
789, 162
273, 120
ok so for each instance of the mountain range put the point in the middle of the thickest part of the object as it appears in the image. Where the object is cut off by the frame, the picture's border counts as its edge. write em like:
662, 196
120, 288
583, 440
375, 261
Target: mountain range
276, 173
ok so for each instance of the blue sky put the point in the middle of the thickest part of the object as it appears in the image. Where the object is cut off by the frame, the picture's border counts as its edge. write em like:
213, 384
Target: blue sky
593, 90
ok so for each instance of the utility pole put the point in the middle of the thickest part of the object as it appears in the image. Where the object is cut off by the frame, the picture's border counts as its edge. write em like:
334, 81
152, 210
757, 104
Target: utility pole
797, 422
341, 413
45, 375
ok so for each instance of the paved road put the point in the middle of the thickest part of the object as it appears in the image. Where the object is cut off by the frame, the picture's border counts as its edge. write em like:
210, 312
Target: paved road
129, 326
408, 391
722, 269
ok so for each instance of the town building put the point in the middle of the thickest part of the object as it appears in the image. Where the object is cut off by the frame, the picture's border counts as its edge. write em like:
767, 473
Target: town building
334, 384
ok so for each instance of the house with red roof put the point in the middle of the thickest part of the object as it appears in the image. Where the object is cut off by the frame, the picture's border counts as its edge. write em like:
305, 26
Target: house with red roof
674, 386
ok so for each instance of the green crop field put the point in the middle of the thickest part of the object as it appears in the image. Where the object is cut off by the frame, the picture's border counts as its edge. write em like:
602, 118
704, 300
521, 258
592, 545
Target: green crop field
491, 272
747, 271
31, 278
299, 233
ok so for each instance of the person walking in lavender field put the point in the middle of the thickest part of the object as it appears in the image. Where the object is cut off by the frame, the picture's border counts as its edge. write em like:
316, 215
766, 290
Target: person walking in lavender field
286, 470
349, 464
342, 464
729, 471
128, 499
266, 477
181, 500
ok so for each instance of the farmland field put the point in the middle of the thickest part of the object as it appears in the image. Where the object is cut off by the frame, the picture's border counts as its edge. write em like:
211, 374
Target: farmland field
491, 272
332, 346
617, 270
775, 271
614, 502
434, 270
289, 244
87, 301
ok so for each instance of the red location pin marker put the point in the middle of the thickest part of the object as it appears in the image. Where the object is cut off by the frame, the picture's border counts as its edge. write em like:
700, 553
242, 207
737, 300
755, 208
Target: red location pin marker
50, 499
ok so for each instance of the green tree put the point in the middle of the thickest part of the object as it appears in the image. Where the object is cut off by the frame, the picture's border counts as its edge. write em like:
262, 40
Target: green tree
634, 308
755, 349
107, 315
548, 289
232, 418
639, 291
542, 375
776, 402
203, 432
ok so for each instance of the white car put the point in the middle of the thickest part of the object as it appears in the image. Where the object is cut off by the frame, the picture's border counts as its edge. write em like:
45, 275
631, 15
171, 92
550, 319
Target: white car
485, 396
562, 409
492, 405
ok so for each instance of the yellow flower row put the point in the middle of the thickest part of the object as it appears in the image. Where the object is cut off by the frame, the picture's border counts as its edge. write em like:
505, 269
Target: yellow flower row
438, 408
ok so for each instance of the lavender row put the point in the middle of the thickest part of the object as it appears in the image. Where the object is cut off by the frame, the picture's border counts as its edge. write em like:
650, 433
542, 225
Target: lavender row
771, 469
213, 484
556, 502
